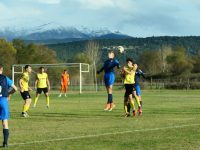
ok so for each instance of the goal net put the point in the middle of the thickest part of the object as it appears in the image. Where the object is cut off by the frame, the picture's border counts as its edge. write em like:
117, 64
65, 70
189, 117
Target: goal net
82, 76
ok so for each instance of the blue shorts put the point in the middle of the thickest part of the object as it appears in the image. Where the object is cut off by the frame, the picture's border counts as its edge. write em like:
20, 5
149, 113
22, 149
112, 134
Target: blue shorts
138, 91
4, 109
109, 79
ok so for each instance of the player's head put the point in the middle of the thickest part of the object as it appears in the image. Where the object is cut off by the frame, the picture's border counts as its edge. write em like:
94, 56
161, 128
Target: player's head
64, 71
111, 54
129, 62
1, 68
41, 69
27, 68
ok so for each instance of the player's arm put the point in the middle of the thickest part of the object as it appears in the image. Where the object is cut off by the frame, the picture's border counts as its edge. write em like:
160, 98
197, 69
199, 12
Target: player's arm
127, 71
20, 85
99, 71
48, 83
68, 80
36, 83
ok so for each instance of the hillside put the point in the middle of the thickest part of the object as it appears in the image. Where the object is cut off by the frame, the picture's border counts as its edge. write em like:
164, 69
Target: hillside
134, 46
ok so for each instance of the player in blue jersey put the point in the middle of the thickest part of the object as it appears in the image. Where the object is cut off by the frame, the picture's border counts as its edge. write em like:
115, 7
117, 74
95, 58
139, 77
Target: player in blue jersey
138, 74
109, 77
5, 91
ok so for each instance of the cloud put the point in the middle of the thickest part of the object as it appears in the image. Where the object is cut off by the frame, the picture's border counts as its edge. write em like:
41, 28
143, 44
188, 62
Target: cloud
103, 4
49, 1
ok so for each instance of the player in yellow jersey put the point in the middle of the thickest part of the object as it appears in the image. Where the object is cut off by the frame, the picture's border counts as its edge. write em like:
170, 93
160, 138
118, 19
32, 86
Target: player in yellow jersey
42, 84
24, 90
129, 82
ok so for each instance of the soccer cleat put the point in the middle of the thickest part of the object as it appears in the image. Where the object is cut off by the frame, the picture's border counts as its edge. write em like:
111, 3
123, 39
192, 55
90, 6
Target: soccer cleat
110, 109
127, 115
5, 144
107, 107
134, 113
140, 111
25, 114
34, 106
59, 95
47, 106
65, 95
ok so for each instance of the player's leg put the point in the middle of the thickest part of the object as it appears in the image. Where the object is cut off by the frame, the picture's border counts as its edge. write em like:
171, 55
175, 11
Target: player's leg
27, 102
45, 90
138, 101
61, 90
138, 93
66, 90
109, 92
127, 114
4, 116
129, 90
38, 92
110, 95
26, 106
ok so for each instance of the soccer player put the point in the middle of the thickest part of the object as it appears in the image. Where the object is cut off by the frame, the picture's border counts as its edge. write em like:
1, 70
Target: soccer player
64, 83
24, 90
129, 83
109, 77
42, 84
138, 74
5, 84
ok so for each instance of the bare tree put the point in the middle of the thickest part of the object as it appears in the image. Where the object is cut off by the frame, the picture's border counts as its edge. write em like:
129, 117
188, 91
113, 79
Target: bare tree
94, 54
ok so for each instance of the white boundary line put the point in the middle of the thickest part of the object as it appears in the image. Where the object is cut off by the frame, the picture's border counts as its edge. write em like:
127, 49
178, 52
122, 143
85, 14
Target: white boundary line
103, 134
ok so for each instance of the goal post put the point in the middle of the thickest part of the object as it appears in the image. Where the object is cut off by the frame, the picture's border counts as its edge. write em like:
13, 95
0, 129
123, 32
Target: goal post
78, 72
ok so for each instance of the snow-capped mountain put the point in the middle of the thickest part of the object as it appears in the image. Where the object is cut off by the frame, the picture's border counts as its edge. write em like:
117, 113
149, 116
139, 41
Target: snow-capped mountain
52, 32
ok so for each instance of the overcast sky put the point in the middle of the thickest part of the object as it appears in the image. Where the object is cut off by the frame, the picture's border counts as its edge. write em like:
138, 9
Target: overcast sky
138, 18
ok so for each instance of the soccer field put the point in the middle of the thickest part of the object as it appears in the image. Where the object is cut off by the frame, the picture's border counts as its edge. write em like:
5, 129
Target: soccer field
171, 121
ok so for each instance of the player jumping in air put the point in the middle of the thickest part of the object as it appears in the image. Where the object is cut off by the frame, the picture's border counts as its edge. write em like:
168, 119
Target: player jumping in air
109, 78
64, 83
24, 90
5, 84
42, 84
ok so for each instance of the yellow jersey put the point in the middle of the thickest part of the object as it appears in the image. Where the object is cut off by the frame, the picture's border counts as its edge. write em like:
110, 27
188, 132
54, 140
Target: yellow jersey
25, 81
130, 78
42, 80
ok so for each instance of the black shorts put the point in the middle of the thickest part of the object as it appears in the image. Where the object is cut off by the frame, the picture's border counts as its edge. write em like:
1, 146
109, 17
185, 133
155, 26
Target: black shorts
40, 90
130, 88
25, 95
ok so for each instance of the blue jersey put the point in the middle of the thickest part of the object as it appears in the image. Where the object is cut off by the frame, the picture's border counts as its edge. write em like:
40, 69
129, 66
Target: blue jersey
109, 65
5, 84
138, 75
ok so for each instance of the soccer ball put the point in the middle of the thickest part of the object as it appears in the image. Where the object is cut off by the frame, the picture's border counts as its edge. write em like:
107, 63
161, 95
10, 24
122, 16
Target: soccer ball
121, 49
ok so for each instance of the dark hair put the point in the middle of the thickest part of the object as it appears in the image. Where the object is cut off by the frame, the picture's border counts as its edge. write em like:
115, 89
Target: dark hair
64, 70
129, 59
111, 51
41, 68
1, 65
26, 67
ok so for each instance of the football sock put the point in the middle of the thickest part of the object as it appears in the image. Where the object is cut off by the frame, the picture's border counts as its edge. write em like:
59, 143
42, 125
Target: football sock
36, 99
25, 108
125, 108
132, 105
5, 136
138, 101
141, 103
110, 98
47, 100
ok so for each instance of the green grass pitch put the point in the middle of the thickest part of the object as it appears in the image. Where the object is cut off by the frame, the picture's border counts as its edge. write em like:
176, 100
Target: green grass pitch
171, 121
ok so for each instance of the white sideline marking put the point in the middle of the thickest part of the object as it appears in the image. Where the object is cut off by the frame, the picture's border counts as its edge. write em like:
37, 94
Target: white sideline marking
103, 134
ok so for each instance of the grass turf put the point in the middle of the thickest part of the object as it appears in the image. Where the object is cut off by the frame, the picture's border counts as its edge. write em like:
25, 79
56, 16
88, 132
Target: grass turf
171, 121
